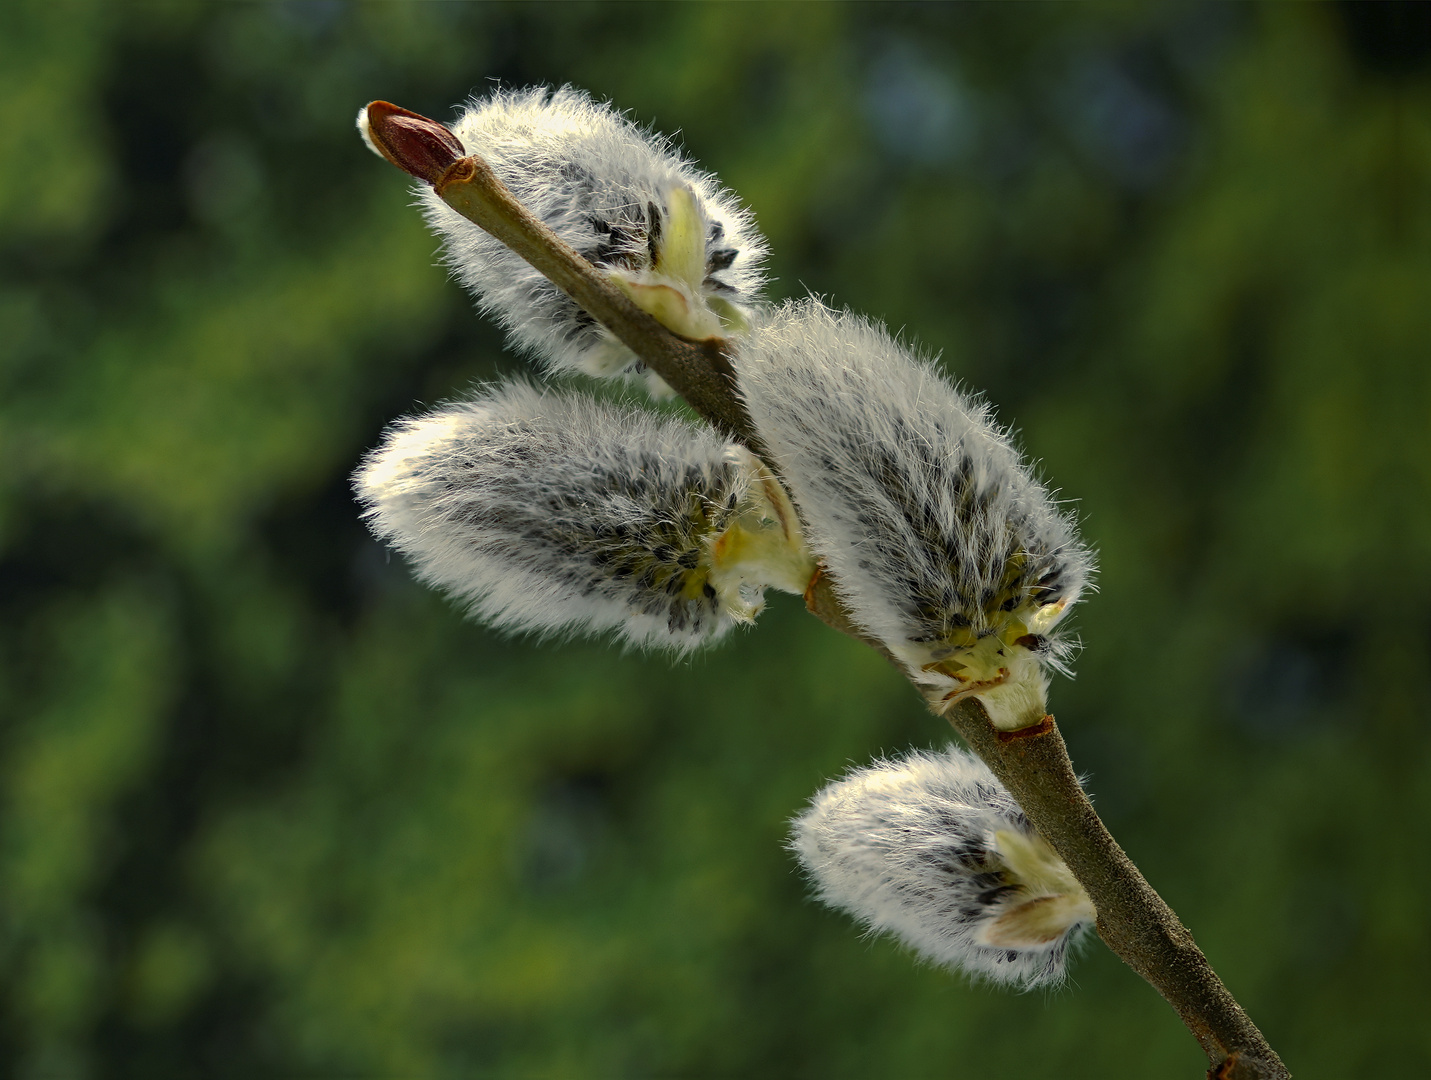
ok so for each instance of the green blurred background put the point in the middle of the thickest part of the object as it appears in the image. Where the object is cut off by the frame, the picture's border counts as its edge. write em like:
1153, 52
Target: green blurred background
268, 808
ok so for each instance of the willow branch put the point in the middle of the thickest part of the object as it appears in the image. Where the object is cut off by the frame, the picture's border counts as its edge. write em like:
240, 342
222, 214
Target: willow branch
1033, 763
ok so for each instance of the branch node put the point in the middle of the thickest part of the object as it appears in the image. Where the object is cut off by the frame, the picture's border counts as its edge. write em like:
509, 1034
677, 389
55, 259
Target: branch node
460, 171
1033, 731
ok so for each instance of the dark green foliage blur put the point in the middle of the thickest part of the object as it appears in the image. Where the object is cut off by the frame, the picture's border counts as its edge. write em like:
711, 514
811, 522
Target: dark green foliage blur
269, 808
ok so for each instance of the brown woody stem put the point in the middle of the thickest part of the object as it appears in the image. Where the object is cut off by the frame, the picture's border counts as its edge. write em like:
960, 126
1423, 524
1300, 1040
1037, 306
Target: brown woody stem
1133, 919
700, 371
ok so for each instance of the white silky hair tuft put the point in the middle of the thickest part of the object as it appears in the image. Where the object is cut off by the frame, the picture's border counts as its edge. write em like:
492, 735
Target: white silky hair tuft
933, 850
668, 233
939, 537
559, 514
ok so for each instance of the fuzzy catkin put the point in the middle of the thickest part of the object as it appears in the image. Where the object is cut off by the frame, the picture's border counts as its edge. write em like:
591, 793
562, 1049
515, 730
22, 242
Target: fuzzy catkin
680, 245
555, 513
942, 542
933, 850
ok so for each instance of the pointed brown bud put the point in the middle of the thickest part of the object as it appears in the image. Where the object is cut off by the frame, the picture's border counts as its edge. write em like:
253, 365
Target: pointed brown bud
409, 140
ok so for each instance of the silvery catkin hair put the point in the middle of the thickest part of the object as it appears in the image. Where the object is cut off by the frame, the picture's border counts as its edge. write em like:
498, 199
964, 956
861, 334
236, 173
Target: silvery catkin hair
940, 539
556, 513
933, 850
680, 245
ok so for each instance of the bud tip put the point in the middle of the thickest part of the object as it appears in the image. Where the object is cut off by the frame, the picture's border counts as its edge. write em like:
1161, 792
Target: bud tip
412, 142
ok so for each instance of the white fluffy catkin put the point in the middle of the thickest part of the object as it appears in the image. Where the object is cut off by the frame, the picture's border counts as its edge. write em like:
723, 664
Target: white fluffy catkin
555, 513
940, 539
681, 246
933, 850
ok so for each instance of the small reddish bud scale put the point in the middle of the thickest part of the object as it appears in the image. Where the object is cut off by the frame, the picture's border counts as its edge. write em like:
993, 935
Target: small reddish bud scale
811, 598
1043, 727
419, 146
